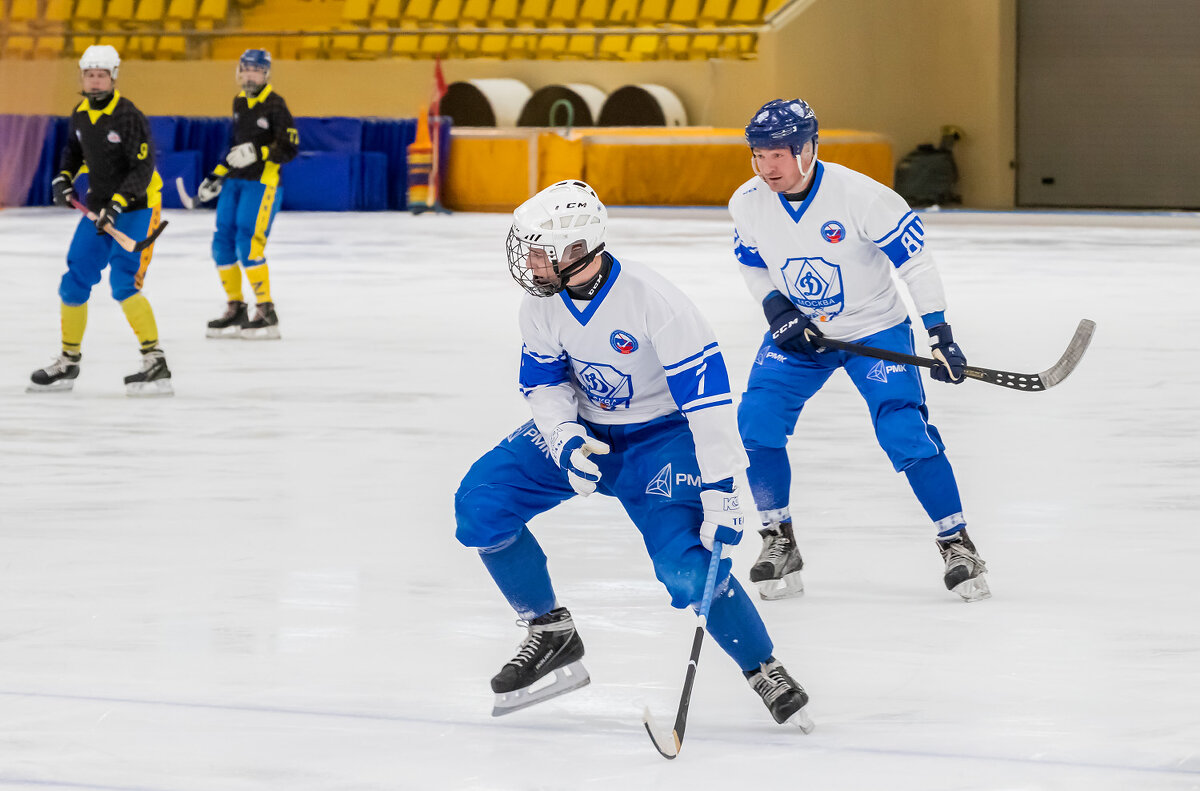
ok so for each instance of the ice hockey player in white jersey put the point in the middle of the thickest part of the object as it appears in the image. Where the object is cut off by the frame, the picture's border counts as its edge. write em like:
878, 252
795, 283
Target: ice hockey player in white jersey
630, 397
820, 246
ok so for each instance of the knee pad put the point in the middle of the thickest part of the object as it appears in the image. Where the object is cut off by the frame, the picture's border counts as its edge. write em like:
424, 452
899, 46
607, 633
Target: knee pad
72, 290
481, 517
684, 574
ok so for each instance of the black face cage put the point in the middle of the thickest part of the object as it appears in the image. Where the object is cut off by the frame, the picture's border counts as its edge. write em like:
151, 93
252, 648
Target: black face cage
518, 267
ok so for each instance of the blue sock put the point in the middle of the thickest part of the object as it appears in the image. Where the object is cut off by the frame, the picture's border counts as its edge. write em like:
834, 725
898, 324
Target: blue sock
770, 476
737, 627
519, 569
932, 481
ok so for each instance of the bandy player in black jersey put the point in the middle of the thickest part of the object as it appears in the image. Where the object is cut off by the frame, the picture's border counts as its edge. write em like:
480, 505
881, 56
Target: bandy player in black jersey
111, 137
263, 138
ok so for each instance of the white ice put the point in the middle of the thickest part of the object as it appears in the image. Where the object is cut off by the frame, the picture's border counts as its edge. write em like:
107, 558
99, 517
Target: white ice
255, 584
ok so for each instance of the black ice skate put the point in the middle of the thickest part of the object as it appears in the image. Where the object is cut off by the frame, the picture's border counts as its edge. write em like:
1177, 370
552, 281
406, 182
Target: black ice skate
230, 325
57, 377
154, 379
551, 653
784, 698
264, 326
777, 570
965, 570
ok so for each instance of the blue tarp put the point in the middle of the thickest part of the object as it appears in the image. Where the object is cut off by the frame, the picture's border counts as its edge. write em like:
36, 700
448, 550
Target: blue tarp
345, 164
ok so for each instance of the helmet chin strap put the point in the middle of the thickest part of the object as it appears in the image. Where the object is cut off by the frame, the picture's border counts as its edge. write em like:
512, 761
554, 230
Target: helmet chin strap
812, 166
577, 266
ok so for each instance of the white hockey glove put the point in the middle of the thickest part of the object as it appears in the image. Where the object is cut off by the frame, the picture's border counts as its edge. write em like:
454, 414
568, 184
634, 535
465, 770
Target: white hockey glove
570, 447
209, 188
242, 156
723, 517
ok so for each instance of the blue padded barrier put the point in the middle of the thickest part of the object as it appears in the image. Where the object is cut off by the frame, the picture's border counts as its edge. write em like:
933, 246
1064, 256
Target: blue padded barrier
178, 163
374, 193
330, 134
321, 181
162, 132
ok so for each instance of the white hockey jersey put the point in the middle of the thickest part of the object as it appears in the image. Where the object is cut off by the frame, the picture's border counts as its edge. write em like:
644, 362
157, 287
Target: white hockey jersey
636, 351
833, 254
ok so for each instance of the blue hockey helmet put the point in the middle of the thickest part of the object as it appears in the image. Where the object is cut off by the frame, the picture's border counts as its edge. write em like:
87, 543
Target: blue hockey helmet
255, 59
780, 123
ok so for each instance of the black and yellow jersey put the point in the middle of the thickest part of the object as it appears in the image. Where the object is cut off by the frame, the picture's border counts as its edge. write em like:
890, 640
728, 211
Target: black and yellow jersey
265, 121
114, 143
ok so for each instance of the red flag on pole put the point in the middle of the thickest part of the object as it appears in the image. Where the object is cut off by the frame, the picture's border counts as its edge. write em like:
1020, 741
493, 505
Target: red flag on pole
439, 88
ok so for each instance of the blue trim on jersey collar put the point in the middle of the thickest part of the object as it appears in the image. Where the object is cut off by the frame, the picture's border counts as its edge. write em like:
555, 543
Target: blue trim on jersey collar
585, 315
798, 212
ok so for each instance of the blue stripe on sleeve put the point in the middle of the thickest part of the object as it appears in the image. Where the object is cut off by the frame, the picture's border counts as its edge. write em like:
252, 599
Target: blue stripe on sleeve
747, 256
538, 370
904, 241
700, 381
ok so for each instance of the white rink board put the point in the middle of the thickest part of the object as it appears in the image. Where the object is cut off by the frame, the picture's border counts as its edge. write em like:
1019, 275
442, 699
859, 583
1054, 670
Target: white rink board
255, 584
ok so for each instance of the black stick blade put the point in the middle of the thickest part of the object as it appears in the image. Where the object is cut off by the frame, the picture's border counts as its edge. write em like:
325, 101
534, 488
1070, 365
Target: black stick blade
149, 240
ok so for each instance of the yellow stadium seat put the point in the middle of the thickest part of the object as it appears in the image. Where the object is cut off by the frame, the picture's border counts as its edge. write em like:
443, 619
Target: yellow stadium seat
445, 12
406, 46
354, 12
520, 47
612, 46
651, 13
772, 6
703, 47
118, 12
376, 45
434, 45
467, 45
87, 14
581, 46
24, 11
622, 12
642, 47
684, 12
551, 46
746, 12
533, 13
81, 43
211, 13
149, 11
677, 47
593, 11
49, 46
503, 11
714, 12
57, 11
171, 47
181, 10
19, 47
493, 46
563, 13
474, 12
342, 44
417, 11
121, 43
311, 48
386, 11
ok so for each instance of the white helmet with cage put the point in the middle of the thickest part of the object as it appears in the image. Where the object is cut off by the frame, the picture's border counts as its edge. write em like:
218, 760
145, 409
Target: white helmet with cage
100, 56
564, 222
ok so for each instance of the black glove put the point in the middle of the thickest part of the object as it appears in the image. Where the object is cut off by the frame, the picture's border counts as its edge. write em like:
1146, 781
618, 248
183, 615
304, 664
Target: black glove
946, 351
790, 329
64, 190
108, 215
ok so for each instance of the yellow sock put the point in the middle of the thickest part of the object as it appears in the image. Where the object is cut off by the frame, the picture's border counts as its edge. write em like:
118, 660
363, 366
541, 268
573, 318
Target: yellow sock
141, 318
231, 278
260, 280
74, 322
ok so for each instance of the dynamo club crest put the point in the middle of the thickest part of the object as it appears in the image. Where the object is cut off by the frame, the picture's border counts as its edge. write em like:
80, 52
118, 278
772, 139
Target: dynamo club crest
605, 386
815, 285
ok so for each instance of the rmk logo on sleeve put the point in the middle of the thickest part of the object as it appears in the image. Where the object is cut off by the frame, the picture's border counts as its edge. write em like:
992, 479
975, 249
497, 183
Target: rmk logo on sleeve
815, 285
605, 386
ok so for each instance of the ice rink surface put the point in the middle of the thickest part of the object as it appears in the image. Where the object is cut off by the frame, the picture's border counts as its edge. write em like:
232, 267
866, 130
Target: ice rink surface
255, 584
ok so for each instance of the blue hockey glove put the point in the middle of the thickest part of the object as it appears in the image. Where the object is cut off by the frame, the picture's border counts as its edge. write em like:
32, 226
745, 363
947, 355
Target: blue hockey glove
790, 329
946, 351
570, 447
108, 215
723, 517
64, 190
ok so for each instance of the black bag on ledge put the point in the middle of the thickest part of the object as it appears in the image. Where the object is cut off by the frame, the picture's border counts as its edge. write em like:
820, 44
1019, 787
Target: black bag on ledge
928, 175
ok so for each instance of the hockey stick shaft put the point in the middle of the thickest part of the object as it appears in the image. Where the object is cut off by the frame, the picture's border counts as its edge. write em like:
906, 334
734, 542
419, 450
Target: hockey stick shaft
671, 749
1016, 381
187, 200
127, 243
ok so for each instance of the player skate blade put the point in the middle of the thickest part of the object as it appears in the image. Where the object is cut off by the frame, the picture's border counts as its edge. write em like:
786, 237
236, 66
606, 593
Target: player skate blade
260, 333
974, 589
228, 333
786, 587
802, 721
61, 386
565, 679
155, 389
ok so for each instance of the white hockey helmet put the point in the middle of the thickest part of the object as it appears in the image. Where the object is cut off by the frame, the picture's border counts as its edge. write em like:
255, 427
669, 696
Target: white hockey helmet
566, 222
101, 56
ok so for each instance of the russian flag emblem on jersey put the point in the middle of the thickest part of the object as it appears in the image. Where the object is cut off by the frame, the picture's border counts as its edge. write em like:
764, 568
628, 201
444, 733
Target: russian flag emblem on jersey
623, 342
833, 232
